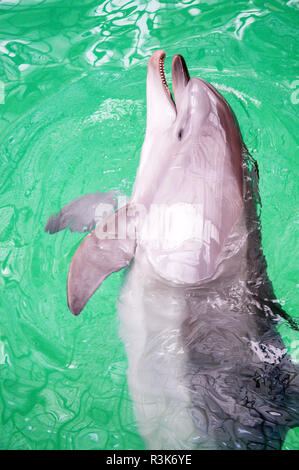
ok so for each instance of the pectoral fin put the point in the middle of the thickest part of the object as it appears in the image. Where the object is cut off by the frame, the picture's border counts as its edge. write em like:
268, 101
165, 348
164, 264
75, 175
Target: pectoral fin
82, 214
101, 253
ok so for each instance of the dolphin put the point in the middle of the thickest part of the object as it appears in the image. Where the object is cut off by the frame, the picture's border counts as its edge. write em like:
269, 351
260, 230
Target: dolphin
207, 368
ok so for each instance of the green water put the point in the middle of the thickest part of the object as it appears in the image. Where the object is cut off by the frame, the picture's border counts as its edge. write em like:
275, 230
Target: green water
72, 119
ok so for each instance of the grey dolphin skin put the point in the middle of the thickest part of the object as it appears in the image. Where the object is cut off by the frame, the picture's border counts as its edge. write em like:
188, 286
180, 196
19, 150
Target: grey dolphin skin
207, 368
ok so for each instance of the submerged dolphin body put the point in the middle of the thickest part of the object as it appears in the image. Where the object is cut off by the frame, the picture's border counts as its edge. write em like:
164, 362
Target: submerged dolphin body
207, 368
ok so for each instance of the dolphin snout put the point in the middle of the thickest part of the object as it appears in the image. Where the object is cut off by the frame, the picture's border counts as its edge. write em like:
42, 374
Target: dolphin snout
180, 76
156, 57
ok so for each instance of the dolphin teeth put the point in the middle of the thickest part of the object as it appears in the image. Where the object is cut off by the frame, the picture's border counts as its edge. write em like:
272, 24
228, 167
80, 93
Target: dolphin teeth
162, 72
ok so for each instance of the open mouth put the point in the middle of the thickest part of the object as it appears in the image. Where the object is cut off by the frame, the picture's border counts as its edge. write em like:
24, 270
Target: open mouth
180, 74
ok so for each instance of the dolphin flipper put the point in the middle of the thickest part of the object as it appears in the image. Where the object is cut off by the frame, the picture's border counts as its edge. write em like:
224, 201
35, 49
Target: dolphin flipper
82, 214
101, 253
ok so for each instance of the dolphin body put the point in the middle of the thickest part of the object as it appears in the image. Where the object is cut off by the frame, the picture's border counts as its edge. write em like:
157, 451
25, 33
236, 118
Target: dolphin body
207, 368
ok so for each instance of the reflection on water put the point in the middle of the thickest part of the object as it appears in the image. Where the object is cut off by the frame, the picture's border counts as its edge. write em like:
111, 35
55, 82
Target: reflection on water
72, 117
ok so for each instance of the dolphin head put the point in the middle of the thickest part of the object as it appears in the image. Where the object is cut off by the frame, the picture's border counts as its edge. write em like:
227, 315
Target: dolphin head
190, 105
197, 109
192, 158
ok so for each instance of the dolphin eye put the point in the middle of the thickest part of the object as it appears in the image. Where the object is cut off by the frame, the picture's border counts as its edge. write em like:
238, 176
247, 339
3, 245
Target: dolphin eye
180, 134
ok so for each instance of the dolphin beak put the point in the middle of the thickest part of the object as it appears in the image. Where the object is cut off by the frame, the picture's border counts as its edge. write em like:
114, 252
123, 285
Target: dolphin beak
161, 111
156, 66
180, 74
180, 77
161, 108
